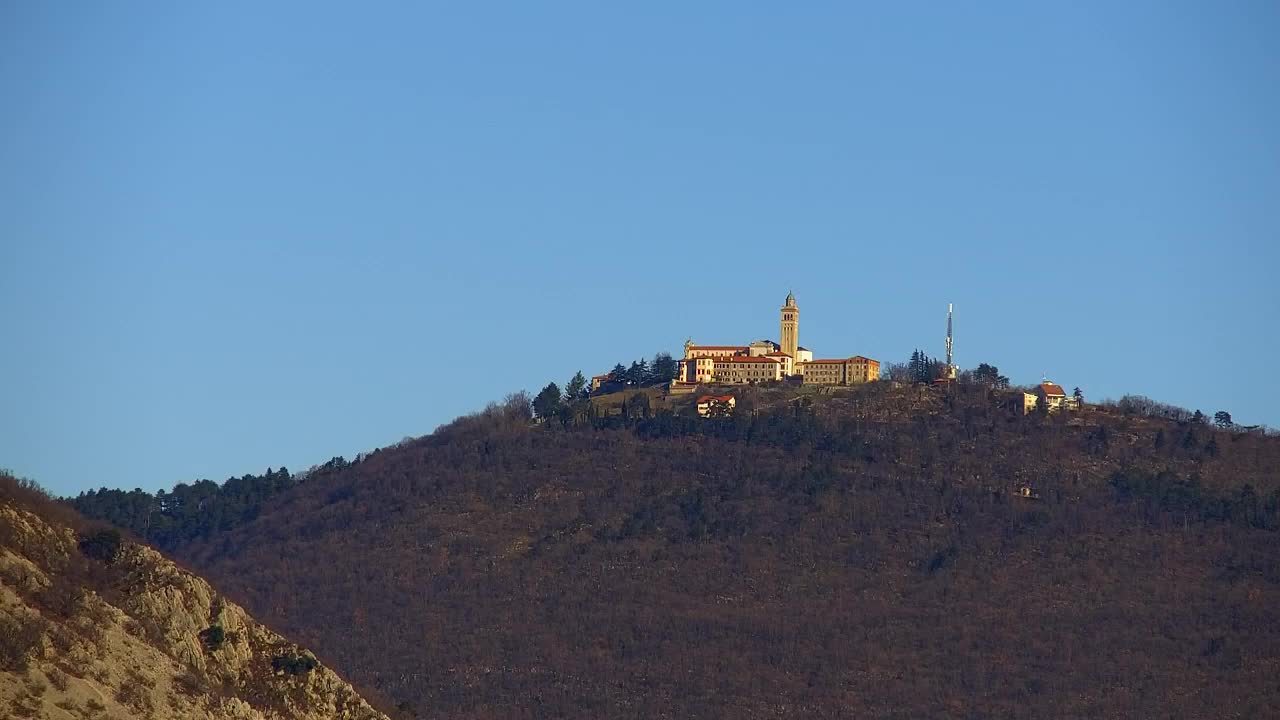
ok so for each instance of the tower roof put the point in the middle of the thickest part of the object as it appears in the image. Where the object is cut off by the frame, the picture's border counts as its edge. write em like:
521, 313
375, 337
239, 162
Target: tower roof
791, 299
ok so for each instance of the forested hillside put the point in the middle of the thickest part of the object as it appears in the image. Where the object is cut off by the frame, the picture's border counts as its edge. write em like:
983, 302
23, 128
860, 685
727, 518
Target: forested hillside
864, 553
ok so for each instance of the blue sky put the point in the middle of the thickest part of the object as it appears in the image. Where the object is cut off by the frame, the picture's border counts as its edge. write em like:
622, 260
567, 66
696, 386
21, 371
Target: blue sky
240, 235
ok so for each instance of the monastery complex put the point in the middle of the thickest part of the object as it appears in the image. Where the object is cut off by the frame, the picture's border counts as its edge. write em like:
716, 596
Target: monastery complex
765, 360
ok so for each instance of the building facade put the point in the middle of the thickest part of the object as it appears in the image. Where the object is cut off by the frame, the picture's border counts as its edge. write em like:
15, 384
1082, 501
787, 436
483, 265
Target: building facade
849, 371
822, 372
744, 369
772, 360
697, 370
859, 369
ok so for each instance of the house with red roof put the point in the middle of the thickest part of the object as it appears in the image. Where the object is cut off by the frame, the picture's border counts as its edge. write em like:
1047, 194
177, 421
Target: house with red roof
709, 405
1055, 397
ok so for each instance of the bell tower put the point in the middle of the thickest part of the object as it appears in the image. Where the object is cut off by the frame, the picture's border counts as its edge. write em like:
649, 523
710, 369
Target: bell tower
790, 335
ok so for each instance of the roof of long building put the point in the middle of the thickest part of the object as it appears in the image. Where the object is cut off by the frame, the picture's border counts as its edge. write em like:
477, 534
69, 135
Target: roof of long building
746, 359
841, 361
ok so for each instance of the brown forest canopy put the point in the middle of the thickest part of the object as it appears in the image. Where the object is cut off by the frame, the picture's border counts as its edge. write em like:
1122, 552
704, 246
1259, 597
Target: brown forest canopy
866, 552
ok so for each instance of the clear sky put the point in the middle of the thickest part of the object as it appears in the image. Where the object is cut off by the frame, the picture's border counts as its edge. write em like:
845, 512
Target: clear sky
236, 235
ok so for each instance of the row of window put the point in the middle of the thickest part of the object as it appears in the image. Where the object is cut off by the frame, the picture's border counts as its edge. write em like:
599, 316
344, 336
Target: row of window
751, 373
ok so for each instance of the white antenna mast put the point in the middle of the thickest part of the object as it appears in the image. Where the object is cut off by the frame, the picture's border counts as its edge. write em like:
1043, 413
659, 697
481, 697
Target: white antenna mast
951, 367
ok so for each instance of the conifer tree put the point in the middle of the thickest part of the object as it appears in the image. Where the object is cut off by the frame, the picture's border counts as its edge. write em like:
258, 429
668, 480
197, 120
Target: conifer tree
915, 365
574, 389
639, 372
663, 369
545, 404
618, 373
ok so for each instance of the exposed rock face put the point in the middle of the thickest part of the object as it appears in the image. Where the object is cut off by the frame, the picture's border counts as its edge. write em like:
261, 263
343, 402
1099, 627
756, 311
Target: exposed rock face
138, 637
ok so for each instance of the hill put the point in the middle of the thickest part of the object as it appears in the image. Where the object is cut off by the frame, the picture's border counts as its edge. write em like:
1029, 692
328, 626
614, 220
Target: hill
94, 626
868, 552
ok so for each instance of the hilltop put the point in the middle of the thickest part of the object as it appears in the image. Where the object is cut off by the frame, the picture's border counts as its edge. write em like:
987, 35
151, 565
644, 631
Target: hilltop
871, 551
94, 626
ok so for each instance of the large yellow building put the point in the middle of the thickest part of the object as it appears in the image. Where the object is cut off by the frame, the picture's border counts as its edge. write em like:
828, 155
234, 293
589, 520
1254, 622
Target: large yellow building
859, 369
734, 363
744, 369
698, 365
849, 371
822, 372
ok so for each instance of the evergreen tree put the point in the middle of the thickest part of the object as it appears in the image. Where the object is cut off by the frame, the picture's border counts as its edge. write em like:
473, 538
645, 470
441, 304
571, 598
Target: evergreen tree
988, 375
575, 388
639, 372
618, 374
1079, 396
923, 368
547, 401
664, 368
915, 365
1222, 419
937, 370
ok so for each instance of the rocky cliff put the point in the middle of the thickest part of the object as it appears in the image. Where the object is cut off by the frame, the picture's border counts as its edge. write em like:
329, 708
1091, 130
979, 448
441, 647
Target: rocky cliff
95, 627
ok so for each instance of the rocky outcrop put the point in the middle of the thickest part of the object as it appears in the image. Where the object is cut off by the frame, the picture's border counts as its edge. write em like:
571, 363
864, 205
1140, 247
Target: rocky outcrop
135, 636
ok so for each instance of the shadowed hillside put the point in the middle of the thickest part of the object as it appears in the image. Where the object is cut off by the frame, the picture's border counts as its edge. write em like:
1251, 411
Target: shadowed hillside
861, 553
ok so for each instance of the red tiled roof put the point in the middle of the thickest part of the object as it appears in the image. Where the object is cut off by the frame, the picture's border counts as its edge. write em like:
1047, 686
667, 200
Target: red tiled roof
776, 354
719, 347
1051, 390
746, 359
855, 358
715, 398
